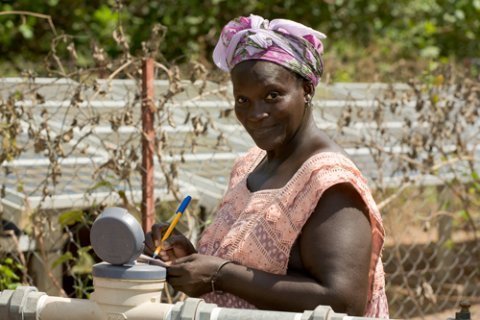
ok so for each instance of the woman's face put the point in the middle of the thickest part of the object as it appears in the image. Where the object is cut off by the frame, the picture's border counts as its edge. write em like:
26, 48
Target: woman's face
269, 102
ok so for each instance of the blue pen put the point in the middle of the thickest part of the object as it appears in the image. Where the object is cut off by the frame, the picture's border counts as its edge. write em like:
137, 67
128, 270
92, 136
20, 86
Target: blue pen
172, 225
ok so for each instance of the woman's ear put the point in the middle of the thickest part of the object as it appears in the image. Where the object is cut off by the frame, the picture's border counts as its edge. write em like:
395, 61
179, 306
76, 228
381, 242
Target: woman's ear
308, 90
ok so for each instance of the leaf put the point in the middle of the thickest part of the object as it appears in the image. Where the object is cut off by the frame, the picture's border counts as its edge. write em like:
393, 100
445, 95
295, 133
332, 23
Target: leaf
460, 14
101, 184
463, 214
430, 52
476, 187
104, 15
123, 196
67, 256
439, 80
475, 175
84, 262
428, 292
430, 28
194, 20
26, 31
8, 273
67, 136
476, 4
13, 286
70, 217
449, 244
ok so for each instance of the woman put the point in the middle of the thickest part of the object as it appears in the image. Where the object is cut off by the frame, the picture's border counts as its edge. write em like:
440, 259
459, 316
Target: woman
298, 226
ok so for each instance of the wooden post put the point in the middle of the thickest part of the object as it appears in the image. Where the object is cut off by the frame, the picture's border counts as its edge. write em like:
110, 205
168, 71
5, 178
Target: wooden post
148, 142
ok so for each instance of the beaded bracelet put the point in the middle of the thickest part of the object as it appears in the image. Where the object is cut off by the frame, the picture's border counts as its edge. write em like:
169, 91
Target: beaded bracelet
215, 275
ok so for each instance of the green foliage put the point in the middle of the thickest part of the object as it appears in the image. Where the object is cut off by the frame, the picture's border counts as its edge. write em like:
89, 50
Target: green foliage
84, 262
9, 270
70, 217
404, 29
67, 256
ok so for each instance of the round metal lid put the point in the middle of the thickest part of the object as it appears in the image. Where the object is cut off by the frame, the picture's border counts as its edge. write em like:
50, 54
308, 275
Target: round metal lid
117, 237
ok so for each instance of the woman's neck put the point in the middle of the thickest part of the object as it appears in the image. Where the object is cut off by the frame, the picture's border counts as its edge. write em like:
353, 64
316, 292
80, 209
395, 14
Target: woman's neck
298, 143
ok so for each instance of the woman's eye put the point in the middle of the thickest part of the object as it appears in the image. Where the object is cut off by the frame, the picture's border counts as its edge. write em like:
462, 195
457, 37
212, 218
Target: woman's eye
272, 95
241, 100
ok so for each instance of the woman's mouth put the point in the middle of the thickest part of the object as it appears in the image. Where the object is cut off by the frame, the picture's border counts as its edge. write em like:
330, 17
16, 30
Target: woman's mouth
262, 132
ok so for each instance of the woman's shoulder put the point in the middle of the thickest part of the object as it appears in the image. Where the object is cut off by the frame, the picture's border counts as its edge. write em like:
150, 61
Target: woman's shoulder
325, 159
322, 170
322, 151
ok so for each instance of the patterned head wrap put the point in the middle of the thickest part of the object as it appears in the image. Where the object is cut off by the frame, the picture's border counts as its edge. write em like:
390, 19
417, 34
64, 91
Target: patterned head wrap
285, 42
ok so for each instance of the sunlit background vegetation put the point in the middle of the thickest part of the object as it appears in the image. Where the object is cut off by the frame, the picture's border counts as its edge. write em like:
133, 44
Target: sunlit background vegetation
367, 40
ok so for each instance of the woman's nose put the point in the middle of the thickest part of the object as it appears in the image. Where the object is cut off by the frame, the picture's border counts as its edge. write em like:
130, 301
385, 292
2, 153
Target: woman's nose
258, 112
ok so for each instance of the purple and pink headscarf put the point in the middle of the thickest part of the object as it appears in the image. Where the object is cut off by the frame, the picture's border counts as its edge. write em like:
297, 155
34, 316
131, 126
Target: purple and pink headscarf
285, 42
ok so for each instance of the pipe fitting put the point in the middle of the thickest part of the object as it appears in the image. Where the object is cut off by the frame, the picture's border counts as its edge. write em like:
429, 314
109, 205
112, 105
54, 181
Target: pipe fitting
18, 300
306, 315
193, 309
31, 305
5, 297
322, 313
186, 310
20, 304
205, 310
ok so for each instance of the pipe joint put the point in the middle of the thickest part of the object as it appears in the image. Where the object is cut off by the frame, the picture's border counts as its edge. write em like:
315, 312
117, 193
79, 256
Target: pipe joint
20, 304
192, 308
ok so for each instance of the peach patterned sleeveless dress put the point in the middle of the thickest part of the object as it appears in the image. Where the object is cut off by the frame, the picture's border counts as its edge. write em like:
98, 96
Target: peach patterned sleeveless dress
258, 229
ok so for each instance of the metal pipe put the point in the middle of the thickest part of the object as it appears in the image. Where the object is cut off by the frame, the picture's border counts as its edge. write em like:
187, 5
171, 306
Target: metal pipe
148, 142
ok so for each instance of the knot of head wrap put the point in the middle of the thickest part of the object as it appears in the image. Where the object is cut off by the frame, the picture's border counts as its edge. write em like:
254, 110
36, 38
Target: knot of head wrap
285, 42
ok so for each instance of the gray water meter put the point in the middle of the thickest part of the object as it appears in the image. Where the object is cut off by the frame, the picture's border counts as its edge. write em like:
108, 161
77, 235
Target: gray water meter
118, 239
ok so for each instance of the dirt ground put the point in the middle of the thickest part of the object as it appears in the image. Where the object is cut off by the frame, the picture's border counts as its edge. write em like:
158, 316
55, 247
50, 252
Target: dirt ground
474, 314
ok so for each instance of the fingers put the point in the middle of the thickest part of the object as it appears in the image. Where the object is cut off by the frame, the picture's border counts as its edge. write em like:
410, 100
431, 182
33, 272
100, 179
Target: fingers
185, 259
172, 252
175, 271
157, 231
167, 255
153, 238
149, 244
149, 260
176, 246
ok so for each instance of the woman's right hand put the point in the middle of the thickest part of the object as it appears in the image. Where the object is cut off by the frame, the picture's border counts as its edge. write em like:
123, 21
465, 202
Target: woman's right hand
176, 246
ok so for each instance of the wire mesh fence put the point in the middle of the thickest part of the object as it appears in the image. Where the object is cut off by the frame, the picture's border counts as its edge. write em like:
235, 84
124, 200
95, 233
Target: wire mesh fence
72, 146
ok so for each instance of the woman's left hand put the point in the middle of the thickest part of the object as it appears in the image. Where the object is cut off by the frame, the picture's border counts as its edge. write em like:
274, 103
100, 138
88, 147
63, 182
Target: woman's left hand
192, 274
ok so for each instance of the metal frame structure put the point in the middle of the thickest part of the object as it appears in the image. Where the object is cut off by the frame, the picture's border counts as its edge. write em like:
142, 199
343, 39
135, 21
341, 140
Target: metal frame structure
203, 173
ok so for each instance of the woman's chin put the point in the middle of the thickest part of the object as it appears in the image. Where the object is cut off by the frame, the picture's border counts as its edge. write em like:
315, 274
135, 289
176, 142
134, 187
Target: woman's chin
266, 144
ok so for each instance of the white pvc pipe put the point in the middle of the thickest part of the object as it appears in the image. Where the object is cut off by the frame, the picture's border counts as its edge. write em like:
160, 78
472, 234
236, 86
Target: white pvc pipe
29, 304
58, 308
149, 311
